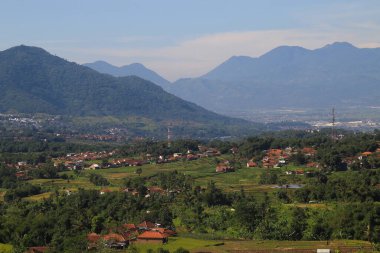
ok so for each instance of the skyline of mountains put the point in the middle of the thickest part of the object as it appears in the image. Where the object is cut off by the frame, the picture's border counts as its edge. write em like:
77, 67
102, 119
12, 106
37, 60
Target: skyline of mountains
338, 74
134, 69
34, 81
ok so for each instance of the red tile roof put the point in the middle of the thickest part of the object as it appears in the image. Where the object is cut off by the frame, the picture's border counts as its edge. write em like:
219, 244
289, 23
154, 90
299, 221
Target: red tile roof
251, 164
146, 224
152, 235
114, 237
155, 189
93, 237
130, 226
275, 152
309, 150
165, 231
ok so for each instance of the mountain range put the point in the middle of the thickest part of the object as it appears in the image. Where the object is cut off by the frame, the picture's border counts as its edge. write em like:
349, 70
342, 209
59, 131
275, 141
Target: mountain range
34, 81
134, 69
338, 74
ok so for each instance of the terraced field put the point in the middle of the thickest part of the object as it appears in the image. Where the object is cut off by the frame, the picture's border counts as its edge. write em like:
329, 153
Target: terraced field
202, 170
246, 246
6, 248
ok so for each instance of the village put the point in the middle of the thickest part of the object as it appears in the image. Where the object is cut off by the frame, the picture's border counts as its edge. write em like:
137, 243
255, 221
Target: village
127, 234
270, 159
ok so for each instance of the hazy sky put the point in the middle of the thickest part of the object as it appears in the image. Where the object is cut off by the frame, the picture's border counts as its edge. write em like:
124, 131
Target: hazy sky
179, 38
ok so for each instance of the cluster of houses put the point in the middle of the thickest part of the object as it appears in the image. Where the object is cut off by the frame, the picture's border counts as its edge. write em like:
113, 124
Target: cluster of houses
276, 158
80, 161
76, 161
73, 161
121, 237
189, 155
359, 160
23, 168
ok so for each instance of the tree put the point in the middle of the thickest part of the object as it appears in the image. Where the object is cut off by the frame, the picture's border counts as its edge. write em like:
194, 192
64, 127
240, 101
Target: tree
298, 158
331, 160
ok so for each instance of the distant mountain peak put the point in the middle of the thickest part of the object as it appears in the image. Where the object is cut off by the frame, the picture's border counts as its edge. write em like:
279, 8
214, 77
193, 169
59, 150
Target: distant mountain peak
102, 62
239, 57
339, 45
285, 51
136, 64
26, 49
134, 69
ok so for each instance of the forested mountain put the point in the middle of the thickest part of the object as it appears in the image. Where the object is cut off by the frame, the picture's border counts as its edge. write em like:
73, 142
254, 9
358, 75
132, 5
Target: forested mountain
34, 81
134, 69
335, 75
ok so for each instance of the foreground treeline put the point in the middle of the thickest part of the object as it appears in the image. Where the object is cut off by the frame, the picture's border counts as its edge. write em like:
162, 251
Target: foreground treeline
62, 222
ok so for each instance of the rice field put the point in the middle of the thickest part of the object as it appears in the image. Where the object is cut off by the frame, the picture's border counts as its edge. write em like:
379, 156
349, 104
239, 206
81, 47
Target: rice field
202, 170
246, 246
194, 245
6, 248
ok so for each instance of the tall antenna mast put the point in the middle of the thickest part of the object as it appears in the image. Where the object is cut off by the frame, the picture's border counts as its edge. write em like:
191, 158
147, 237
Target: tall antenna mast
169, 136
333, 134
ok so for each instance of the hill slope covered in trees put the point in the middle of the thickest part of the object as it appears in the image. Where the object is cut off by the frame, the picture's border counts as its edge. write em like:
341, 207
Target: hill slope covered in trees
34, 81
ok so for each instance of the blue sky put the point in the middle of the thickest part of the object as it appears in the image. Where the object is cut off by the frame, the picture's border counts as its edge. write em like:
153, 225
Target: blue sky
179, 38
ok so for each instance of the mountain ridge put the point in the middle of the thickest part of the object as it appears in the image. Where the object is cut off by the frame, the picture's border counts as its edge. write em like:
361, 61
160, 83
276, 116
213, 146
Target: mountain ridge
134, 69
62, 87
338, 74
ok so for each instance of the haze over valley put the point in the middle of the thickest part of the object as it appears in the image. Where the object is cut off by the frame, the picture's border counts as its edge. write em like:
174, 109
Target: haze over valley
288, 83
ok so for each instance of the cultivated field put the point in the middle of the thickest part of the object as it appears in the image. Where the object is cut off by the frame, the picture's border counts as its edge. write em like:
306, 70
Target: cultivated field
202, 170
251, 246
6, 248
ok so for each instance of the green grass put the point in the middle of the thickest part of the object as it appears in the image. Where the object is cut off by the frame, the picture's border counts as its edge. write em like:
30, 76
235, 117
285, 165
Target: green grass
202, 170
223, 246
38, 197
6, 248
177, 242
80, 182
2, 193
269, 245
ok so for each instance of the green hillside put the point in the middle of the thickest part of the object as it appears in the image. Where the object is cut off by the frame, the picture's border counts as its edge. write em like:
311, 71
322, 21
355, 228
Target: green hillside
34, 81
